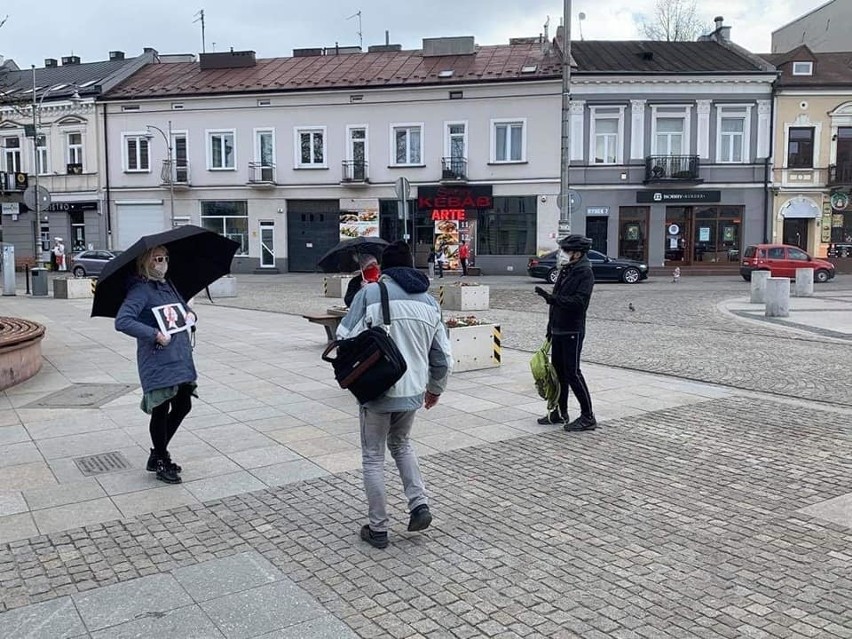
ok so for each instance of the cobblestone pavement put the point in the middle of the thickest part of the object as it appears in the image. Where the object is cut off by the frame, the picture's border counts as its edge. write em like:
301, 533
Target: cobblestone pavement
680, 523
676, 329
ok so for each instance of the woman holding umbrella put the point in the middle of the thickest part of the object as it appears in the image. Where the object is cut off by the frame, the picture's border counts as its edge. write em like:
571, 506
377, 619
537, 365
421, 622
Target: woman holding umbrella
163, 354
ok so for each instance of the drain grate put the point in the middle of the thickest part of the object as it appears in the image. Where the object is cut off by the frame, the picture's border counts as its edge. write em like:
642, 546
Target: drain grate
102, 463
82, 396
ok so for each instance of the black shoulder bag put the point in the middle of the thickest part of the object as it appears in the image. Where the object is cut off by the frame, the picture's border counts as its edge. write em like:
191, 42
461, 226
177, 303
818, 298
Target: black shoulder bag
370, 363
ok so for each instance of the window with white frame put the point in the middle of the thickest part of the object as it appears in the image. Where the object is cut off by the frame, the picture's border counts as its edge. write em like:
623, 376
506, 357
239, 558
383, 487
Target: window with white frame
136, 153
607, 129
803, 68
75, 149
457, 140
310, 148
732, 137
508, 141
42, 163
407, 141
222, 151
12, 155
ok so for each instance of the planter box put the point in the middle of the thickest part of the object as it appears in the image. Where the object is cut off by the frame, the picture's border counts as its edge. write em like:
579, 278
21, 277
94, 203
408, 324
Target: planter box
223, 287
73, 288
475, 347
335, 286
464, 298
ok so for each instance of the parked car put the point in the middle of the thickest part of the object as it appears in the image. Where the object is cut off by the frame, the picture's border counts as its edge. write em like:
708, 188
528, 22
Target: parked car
91, 263
782, 261
613, 269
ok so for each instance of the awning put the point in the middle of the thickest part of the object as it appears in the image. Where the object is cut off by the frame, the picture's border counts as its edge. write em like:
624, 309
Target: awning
800, 207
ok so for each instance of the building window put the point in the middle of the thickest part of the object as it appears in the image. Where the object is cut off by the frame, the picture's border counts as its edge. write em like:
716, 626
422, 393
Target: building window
228, 218
136, 153
456, 143
222, 151
310, 148
42, 163
75, 150
733, 132
12, 155
407, 144
670, 134
633, 232
508, 141
509, 228
716, 236
803, 68
800, 148
607, 131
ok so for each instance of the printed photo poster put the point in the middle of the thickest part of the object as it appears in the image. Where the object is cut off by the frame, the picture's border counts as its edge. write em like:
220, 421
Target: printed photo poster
359, 220
171, 318
447, 235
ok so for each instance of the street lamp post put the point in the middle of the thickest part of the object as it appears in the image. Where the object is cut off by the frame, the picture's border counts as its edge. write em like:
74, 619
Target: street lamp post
168, 165
564, 175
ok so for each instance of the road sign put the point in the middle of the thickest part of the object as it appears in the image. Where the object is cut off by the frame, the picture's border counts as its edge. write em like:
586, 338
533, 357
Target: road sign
402, 188
37, 198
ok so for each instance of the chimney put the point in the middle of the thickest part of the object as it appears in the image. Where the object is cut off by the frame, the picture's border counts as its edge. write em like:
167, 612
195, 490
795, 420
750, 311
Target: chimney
70, 60
722, 33
50, 63
116, 55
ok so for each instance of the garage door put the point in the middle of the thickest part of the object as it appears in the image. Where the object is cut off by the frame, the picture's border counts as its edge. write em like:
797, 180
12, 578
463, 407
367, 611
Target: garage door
136, 220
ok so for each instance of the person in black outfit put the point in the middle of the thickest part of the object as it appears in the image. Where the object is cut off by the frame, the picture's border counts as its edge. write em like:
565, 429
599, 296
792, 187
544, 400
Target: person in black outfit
566, 326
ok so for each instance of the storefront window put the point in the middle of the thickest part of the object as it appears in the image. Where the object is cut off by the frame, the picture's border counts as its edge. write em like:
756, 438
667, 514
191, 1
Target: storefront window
717, 234
677, 232
633, 233
78, 231
508, 228
228, 218
841, 234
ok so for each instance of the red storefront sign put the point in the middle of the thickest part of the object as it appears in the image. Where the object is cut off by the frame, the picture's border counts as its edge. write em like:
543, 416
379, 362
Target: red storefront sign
448, 214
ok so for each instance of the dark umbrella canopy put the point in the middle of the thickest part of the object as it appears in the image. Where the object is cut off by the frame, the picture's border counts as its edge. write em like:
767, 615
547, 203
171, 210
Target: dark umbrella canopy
197, 258
341, 259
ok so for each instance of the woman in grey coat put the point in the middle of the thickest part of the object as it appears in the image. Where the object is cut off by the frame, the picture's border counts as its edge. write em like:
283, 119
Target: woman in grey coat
164, 358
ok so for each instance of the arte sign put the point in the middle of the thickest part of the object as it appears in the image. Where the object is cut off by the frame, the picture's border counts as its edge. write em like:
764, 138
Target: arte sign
454, 198
658, 197
448, 214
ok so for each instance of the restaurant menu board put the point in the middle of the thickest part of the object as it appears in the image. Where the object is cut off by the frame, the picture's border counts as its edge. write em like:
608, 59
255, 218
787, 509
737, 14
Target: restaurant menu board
363, 223
447, 235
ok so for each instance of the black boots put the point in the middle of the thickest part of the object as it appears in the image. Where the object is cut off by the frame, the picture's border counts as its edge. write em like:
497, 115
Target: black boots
583, 422
375, 539
165, 468
420, 518
151, 466
554, 417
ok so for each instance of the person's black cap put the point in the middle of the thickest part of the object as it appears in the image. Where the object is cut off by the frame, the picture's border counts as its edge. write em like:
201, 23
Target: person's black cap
397, 254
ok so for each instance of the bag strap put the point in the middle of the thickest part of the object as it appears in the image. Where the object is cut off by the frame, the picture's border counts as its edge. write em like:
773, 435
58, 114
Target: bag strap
385, 304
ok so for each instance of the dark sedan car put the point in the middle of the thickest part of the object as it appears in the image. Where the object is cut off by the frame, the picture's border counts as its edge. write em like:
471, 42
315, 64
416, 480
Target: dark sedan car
605, 268
91, 263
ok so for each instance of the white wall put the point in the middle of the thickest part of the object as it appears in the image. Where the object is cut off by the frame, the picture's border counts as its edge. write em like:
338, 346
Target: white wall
824, 30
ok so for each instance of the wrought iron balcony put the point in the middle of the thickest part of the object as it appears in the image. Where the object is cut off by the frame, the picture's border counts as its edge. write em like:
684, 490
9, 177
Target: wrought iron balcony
355, 172
454, 169
672, 168
840, 174
175, 173
261, 174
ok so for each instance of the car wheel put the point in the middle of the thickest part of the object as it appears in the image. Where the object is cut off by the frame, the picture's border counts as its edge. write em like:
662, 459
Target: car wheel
821, 276
747, 277
79, 271
631, 275
552, 274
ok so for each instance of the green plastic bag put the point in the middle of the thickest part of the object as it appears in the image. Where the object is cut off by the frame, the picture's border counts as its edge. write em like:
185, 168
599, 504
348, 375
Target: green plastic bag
544, 374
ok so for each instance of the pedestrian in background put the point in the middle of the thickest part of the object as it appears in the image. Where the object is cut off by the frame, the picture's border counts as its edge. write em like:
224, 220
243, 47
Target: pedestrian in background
441, 261
418, 332
464, 253
430, 261
368, 271
566, 326
166, 369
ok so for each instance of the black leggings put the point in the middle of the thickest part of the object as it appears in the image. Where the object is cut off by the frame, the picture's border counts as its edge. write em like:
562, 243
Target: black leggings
566, 360
167, 417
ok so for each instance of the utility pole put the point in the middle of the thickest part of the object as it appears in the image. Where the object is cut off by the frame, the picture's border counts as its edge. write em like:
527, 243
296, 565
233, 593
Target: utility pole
37, 230
200, 18
360, 30
564, 177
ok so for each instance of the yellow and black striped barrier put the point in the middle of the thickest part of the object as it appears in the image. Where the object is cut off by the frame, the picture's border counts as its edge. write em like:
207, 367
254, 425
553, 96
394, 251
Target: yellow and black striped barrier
441, 296
94, 285
325, 286
497, 344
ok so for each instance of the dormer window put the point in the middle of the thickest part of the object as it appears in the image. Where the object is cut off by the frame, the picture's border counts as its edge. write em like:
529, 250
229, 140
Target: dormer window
803, 68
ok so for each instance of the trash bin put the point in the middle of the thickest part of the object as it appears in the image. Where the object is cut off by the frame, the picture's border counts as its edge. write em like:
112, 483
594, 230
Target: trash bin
39, 281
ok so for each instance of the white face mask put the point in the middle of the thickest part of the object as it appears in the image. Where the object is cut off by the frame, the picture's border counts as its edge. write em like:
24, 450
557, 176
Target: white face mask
562, 258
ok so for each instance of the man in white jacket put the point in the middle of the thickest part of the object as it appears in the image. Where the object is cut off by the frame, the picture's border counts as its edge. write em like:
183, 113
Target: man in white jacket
421, 337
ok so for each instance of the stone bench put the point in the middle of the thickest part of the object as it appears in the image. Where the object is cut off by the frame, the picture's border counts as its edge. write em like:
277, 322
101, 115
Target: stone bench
329, 322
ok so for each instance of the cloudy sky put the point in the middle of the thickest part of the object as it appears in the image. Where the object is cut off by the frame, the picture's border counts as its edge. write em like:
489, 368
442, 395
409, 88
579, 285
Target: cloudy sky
91, 28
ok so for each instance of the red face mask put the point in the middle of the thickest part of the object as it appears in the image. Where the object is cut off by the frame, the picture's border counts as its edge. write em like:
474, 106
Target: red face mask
371, 273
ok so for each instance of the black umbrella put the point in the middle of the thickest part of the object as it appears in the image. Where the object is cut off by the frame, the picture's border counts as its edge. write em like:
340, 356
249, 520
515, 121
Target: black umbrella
342, 258
197, 258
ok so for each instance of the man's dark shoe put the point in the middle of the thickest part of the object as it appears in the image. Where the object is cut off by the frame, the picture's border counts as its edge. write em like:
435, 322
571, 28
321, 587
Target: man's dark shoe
168, 459
420, 518
151, 466
583, 422
167, 473
554, 417
375, 539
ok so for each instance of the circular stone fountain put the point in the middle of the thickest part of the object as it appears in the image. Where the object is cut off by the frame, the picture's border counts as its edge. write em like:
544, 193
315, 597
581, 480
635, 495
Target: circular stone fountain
20, 350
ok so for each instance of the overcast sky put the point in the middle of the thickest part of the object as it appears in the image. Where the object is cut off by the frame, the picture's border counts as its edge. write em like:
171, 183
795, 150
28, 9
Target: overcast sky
38, 29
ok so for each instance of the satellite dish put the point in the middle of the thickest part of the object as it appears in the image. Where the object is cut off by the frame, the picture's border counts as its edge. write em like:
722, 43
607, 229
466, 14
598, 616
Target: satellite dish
37, 198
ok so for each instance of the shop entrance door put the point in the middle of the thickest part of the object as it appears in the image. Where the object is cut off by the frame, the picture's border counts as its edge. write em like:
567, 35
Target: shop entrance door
267, 244
678, 235
596, 230
796, 232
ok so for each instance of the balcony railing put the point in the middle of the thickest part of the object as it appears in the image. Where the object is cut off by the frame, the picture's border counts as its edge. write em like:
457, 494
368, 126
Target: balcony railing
175, 172
454, 169
355, 171
261, 173
840, 174
671, 168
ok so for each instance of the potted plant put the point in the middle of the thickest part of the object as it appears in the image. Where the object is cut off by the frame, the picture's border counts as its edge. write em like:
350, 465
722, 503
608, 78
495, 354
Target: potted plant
464, 296
476, 344
335, 285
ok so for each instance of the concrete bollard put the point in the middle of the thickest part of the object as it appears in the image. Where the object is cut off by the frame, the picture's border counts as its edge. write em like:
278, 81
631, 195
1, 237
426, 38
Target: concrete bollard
758, 286
804, 282
778, 297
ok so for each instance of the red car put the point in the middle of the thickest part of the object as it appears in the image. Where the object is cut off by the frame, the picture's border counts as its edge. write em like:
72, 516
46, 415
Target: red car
783, 260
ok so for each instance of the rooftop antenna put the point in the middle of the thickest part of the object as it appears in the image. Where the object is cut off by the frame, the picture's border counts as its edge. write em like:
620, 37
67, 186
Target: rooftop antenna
199, 17
3, 21
582, 17
360, 31
547, 29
